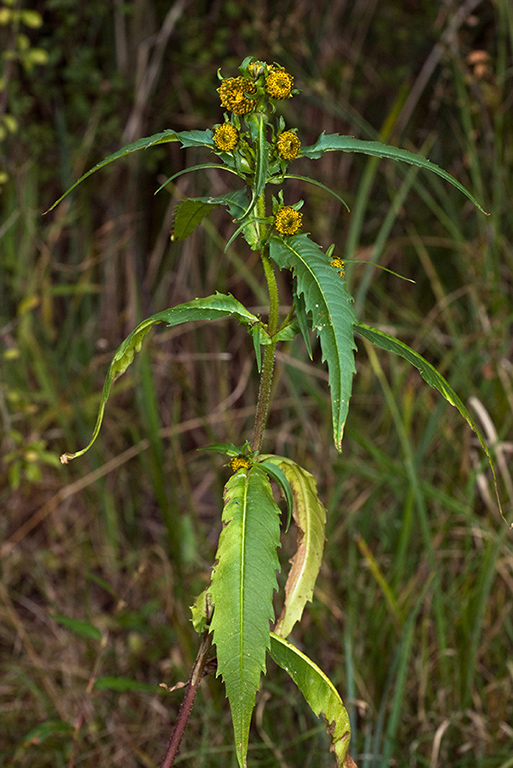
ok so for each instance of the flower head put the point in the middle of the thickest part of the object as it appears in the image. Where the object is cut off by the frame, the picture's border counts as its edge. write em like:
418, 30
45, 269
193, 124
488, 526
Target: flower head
288, 145
233, 94
279, 84
287, 220
239, 462
226, 137
338, 264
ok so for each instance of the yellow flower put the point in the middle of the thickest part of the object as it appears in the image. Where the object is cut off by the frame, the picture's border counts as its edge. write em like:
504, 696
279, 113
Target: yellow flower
226, 137
287, 221
338, 264
232, 93
288, 145
279, 84
239, 462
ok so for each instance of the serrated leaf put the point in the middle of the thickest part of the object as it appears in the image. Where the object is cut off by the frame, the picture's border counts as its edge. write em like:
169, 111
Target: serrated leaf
328, 301
187, 139
189, 214
310, 519
334, 141
78, 627
319, 692
210, 308
431, 376
243, 581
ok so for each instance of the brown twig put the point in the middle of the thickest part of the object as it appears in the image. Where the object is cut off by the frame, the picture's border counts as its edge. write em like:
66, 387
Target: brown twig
197, 673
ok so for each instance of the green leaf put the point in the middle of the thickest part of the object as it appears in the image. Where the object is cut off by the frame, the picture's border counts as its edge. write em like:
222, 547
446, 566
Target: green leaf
124, 684
318, 184
243, 582
210, 308
431, 376
310, 518
187, 139
78, 626
279, 477
228, 449
189, 214
319, 692
44, 731
333, 142
328, 301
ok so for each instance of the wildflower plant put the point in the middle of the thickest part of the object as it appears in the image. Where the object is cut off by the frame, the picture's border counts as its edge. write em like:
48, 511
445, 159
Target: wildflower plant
235, 611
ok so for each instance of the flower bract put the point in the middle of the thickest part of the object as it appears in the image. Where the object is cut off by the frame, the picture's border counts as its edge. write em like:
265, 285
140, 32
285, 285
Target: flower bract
287, 220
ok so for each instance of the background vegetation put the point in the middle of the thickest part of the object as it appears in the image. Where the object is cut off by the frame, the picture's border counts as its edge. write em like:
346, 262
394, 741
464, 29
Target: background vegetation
412, 616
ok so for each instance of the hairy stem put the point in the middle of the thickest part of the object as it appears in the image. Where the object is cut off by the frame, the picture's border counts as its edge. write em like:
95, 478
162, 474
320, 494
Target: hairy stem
266, 375
187, 703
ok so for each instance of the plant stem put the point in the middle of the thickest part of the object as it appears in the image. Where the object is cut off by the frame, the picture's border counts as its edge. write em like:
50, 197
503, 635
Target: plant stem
187, 703
266, 375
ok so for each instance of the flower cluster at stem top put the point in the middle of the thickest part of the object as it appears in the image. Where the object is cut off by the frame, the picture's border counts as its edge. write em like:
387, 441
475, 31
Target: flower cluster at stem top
250, 101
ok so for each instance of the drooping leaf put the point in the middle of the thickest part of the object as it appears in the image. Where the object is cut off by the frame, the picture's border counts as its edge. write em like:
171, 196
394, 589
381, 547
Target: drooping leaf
334, 141
431, 376
243, 582
310, 519
189, 214
329, 303
187, 139
319, 692
428, 371
210, 308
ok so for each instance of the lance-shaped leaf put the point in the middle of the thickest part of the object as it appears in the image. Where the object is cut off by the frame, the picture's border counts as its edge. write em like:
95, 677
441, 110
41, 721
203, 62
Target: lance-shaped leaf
243, 582
431, 376
186, 138
310, 518
328, 301
319, 692
333, 141
211, 308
